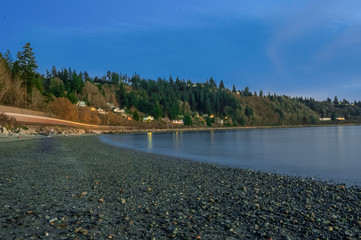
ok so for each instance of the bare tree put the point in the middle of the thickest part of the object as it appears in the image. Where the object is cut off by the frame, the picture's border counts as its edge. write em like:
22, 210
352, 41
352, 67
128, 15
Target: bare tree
85, 115
63, 108
5, 79
37, 99
16, 93
110, 95
93, 95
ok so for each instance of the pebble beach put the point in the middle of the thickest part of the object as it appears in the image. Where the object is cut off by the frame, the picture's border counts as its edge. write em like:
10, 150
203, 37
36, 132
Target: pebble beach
76, 187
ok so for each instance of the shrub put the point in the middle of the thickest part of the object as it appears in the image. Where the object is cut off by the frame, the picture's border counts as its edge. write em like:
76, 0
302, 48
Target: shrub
7, 121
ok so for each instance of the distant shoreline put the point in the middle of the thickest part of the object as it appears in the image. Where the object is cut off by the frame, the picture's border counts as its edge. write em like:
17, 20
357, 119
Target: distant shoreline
34, 130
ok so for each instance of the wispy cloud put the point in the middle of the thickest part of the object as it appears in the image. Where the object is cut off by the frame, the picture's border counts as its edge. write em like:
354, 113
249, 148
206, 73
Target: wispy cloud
346, 42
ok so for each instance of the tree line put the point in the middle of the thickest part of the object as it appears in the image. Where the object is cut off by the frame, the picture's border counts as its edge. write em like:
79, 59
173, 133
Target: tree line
21, 85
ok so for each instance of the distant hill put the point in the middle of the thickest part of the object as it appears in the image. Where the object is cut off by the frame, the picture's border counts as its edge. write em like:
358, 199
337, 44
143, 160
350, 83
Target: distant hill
198, 104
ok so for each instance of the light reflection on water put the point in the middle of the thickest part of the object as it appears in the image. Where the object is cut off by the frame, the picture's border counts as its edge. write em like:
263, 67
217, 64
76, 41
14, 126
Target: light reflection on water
150, 145
329, 153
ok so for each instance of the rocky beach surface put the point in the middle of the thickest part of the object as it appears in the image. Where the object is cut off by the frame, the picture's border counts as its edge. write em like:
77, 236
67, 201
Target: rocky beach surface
76, 187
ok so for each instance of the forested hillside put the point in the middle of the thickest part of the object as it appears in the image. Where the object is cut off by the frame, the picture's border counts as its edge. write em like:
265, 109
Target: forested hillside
201, 104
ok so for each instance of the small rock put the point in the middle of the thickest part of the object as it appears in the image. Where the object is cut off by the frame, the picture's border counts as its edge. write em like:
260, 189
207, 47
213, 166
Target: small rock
4, 131
122, 200
101, 200
53, 220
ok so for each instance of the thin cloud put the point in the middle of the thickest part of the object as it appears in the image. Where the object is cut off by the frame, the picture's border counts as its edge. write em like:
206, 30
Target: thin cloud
346, 42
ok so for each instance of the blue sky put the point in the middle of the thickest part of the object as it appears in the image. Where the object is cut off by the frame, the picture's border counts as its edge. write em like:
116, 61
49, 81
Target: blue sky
298, 48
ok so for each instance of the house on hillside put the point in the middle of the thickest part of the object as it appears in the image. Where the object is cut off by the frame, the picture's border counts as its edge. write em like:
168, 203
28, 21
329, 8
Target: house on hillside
110, 105
340, 119
325, 119
148, 119
80, 104
180, 122
101, 111
219, 121
117, 110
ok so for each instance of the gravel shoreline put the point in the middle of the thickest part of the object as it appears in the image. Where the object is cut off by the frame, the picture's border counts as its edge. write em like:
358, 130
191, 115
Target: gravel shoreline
77, 187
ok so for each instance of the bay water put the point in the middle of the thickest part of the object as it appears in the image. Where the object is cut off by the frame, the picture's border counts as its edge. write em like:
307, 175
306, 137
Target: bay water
324, 153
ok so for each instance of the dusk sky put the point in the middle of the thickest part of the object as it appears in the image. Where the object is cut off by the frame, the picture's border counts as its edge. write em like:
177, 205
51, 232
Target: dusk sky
297, 48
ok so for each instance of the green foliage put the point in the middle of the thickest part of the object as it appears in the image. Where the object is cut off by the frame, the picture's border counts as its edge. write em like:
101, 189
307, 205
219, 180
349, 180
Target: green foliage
56, 87
175, 97
234, 88
248, 112
26, 66
221, 85
136, 115
335, 101
157, 111
187, 120
333, 116
332, 109
72, 98
209, 122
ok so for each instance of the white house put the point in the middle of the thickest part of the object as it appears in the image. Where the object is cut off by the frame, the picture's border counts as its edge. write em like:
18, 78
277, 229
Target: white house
101, 111
110, 105
80, 104
180, 122
148, 119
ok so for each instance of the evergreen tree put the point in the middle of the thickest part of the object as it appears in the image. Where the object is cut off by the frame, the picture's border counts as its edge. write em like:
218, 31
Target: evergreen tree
221, 85
25, 68
335, 101
8, 58
234, 88
333, 116
209, 122
212, 83
136, 115
248, 112
187, 120
246, 92
27, 65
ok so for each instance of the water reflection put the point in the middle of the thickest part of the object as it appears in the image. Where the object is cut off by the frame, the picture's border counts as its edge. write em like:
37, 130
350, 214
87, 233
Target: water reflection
325, 152
150, 144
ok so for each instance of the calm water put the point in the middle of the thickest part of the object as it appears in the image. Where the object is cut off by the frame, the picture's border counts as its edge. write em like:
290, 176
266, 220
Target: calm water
328, 153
